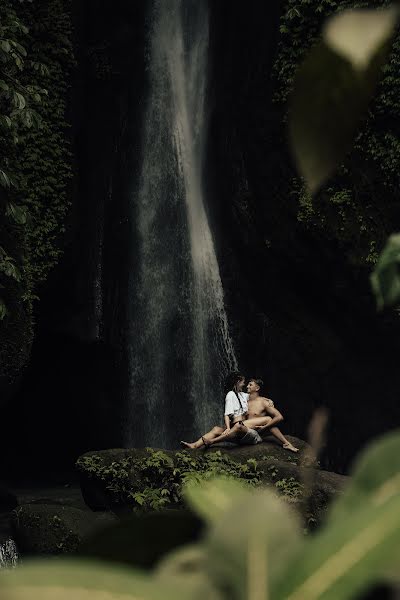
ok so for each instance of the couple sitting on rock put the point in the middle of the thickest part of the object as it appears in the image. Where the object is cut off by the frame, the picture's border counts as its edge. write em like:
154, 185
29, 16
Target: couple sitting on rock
246, 416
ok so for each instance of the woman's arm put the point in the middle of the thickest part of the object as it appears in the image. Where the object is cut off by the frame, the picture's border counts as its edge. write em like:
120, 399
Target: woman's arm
229, 410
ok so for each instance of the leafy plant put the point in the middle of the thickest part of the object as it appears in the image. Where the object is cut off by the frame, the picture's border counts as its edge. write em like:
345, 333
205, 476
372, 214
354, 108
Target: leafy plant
291, 489
156, 481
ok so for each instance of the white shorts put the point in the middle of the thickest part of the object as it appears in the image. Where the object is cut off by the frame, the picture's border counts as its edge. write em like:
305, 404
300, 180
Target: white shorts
250, 438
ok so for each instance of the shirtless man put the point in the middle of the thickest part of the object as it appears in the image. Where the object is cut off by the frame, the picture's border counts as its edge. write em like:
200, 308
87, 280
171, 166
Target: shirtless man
261, 415
259, 406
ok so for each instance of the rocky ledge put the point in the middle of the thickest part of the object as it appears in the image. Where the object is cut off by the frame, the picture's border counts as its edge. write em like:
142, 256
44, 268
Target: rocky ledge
105, 473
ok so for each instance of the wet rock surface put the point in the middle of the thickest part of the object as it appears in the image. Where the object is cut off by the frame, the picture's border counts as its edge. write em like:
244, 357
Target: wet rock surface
293, 475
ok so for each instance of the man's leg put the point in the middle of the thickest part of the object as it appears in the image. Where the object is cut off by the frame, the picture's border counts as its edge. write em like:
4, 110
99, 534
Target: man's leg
285, 443
260, 424
276, 432
215, 431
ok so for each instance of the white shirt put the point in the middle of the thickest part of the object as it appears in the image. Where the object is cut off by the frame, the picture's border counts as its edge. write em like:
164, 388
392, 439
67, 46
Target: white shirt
232, 404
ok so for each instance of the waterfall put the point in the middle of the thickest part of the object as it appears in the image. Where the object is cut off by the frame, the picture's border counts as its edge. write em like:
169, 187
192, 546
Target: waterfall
8, 554
179, 345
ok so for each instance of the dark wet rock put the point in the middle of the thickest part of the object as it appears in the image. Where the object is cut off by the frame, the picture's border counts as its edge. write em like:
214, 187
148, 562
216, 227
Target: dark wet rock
269, 448
292, 475
43, 529
98, 497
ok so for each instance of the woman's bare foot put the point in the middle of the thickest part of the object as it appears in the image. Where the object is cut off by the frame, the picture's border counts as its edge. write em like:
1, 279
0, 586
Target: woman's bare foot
290, 447
187, 445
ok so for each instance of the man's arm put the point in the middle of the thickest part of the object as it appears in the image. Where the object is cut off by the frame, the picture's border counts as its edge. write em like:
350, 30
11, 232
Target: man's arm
277, 417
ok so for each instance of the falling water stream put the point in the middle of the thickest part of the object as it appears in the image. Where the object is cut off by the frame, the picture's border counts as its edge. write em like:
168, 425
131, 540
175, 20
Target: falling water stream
8, 554
180, 349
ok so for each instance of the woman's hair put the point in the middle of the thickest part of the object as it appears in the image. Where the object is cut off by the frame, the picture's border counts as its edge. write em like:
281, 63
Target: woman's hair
233, 379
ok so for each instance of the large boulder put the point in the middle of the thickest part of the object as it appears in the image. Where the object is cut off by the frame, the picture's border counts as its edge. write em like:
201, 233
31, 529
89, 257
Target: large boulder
98, 496
43, 529
292, 475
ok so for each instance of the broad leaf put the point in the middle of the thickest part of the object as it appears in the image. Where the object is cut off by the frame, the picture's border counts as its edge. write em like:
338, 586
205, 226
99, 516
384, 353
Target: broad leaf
331, 95
213, 499
4, 179
19, 48
357, 35
27, 118
10, 269
19, 101
346, 556
5, 120
375, 475
18, 213
251, 542
385, 279
83, 580
188, 564
360, 543
5, 45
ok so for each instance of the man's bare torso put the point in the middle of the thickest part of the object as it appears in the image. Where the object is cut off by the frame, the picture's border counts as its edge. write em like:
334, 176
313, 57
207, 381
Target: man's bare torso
259, 407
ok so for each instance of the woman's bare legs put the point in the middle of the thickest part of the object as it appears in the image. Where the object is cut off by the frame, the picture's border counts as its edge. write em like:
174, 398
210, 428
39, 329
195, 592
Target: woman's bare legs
238, 430
215, 432
256, 422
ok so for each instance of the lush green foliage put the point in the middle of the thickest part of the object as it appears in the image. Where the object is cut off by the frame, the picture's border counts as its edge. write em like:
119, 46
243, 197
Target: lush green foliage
291, 489
157, 481
358, 205
35, 161
45, 159
19, 98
